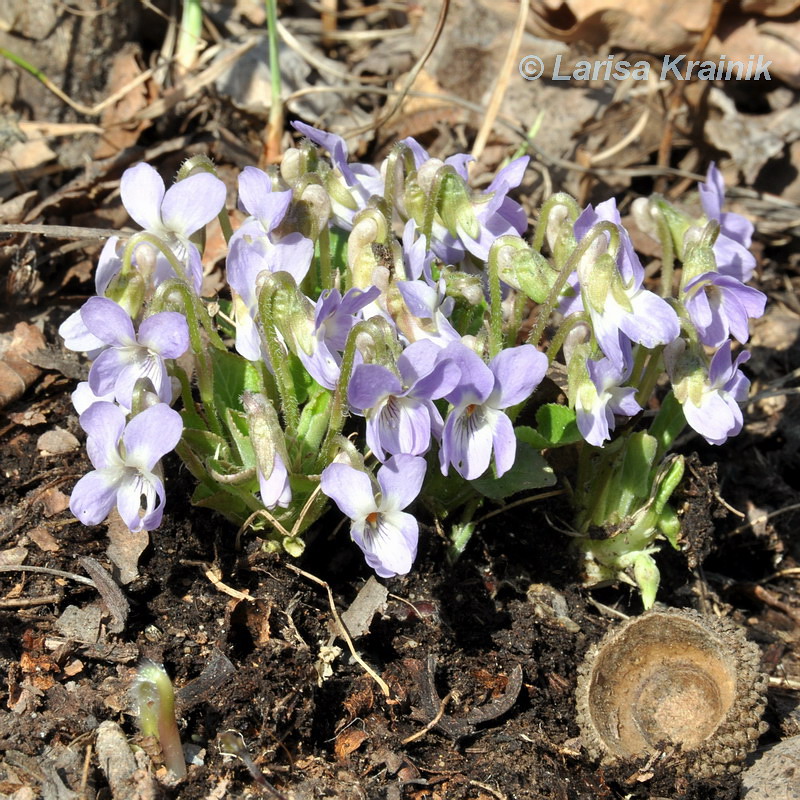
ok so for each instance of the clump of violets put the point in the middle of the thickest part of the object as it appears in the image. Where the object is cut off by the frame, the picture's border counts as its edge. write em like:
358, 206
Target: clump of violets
370, 351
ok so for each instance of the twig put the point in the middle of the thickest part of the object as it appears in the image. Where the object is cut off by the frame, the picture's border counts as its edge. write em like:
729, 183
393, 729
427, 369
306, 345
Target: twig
499, 90
47, 571
412, 76
342, 630
60, 231
432, 724
765, 517
29, 602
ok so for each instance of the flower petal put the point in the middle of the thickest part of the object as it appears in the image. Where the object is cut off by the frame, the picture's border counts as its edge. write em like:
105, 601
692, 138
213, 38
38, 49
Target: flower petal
389, 546
142, 190
108, 321
165, 333
370, 384
94, 495
517, 371
350, 489
103, 423
193, 202
150, 435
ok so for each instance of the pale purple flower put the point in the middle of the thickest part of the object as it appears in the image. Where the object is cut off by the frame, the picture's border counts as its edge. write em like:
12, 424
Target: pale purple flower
620, 308
83, 397
127, 473
430, 308
720, 305
129, 356
386, 534
334, 318
495, 214
476, 426
599, 398
173, 215
362, 181
275, 490
731, 249
401, 416
710, 398
254, 249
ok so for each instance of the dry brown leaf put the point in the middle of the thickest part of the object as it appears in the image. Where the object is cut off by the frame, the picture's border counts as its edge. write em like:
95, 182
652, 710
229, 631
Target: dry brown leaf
28, 417
769, 8
43, 539
125, 548
777, 41
122, 129
16, 373
348, 741
54, 501
57, 442
654, 27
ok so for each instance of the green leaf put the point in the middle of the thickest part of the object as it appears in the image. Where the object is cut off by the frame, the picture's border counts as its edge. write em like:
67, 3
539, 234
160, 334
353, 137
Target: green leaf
557, 425
530, 471
232, 376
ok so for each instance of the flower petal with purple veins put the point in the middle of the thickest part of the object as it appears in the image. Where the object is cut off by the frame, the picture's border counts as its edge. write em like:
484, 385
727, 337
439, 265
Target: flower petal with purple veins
518, 371
350, 489
370, 384
389, 544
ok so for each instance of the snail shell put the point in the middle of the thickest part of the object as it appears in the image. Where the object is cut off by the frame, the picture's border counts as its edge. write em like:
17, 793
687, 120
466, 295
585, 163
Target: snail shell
673, 677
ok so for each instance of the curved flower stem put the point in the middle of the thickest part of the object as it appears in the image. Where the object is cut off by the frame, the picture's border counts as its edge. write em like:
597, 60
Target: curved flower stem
278, 358
667, 255
562, 198
495, 305
650, 376
557, 342
433, 200
338, 407
205, 369
546, 309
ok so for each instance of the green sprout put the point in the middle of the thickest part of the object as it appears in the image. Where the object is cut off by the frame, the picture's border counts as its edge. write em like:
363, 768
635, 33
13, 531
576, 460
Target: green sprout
155, 702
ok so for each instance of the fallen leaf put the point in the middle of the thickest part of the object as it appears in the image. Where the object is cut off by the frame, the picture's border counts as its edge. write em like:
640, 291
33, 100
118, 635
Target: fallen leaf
16, 373
348, 741
370, 600
56, 442
43, 539
28, 417
54, 501
125, 548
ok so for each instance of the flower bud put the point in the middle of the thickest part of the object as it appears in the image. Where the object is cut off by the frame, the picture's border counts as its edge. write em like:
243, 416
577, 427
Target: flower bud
522, 268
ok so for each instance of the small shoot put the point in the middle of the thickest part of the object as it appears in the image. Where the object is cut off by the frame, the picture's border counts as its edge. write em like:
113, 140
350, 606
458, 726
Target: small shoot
155, 702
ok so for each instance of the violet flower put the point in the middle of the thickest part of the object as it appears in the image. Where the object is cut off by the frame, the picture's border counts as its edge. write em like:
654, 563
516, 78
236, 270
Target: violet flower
476, 426
720, 305
385, 533
362, 181
400, 412
710, 396
275, 490
129, 356
495, 213
172, 215
620, 308
334, 317
599, 398
255, 249
731, 249
125, 457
